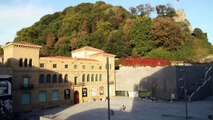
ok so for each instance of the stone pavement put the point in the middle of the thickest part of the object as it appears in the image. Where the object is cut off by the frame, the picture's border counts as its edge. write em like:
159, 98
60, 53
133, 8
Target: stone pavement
135, 109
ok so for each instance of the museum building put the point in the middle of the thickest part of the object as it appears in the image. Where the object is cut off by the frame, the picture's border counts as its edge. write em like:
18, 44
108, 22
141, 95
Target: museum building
40, 82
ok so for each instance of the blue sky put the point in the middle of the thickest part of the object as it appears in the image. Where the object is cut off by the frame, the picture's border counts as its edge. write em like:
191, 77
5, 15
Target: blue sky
17, 14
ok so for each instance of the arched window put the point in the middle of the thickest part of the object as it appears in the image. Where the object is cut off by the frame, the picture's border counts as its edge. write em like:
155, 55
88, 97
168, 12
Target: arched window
41, 79
60, 78
30, 63
83, 78
25, 62
88, 78
66, 78
100, 77
48, 78
54, 78
21, 62
96, 77
92, 77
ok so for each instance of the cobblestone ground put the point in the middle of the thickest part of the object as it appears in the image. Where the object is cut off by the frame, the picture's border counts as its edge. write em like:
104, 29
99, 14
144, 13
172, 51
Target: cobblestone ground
134, 109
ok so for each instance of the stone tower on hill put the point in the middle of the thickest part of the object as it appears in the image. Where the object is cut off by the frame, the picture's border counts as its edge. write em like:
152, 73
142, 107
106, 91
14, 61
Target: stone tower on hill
181, 17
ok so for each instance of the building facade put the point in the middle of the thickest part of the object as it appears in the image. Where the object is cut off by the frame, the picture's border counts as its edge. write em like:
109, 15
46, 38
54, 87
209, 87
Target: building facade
46, 81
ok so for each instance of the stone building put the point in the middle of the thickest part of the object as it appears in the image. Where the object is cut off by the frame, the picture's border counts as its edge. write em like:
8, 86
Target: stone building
46, 81
181, 17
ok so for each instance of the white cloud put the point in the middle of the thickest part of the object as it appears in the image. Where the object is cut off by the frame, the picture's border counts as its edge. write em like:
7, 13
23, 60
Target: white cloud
17, 15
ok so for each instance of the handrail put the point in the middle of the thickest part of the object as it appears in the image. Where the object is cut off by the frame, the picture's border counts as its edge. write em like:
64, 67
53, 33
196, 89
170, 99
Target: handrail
207, 72
190, 97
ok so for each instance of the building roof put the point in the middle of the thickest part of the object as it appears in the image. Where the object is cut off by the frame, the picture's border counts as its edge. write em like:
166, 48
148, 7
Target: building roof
68, 58
153, 62
86, 59
23, 43
87, 48
104, 54
1, 56
58, 57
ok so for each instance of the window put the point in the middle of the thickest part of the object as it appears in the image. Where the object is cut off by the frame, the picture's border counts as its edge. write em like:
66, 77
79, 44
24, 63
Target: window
21, 62
83, 78
54, 78
41, 78
100, 67
66, 78
54, 65
92, 67
75, 80
100, 77
30, 63
26, 82
41, 65
25, 62
55, 95
75, 66
83, 66
92, 78
96, 77
88, 78
65, 66
48, 78
25, 99
42, 96
60, 78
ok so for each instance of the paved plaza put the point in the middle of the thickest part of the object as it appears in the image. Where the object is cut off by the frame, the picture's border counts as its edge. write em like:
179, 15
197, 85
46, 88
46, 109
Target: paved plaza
134, 109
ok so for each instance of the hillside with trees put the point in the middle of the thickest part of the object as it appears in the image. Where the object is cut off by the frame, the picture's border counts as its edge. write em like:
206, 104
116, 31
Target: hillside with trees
118, 31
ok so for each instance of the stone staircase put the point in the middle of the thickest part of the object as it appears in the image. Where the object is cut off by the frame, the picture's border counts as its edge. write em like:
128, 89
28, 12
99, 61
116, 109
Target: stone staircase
201, 87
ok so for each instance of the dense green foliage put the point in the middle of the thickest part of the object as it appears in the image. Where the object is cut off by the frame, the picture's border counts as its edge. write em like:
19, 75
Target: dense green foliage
1, 51
118, 31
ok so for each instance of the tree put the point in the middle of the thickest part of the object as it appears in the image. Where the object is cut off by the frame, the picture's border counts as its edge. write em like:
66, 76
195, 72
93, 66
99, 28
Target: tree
145, 9
117, 45
133, 11
142, 10
165, 10
199, 33
1, 51
140, 36
166, 33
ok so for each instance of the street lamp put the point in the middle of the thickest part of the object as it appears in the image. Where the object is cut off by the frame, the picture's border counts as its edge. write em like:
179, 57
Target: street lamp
185, 91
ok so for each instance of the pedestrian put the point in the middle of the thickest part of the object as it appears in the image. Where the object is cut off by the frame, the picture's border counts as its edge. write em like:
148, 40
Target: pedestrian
123, 107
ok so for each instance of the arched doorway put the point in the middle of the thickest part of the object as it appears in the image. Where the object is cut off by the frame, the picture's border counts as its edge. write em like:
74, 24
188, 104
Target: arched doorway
76, 97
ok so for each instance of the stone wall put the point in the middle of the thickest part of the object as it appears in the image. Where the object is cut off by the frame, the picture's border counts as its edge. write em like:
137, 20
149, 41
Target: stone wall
161, 82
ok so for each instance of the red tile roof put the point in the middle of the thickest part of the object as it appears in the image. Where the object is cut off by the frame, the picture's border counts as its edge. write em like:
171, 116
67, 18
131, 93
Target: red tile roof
88, 48
153, 62
25, 43
69, 58
104, 53
1, 56
86, 59
58, 57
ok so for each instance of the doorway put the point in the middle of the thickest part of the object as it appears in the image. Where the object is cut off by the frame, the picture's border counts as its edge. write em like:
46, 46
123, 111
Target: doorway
76, 97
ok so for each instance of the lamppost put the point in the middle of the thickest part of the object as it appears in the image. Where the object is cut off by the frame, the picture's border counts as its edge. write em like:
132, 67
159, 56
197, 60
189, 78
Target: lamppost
108, 96
185, 91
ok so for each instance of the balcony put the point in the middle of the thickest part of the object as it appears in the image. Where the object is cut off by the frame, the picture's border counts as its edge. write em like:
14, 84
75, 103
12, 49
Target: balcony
26, 86
79, 84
